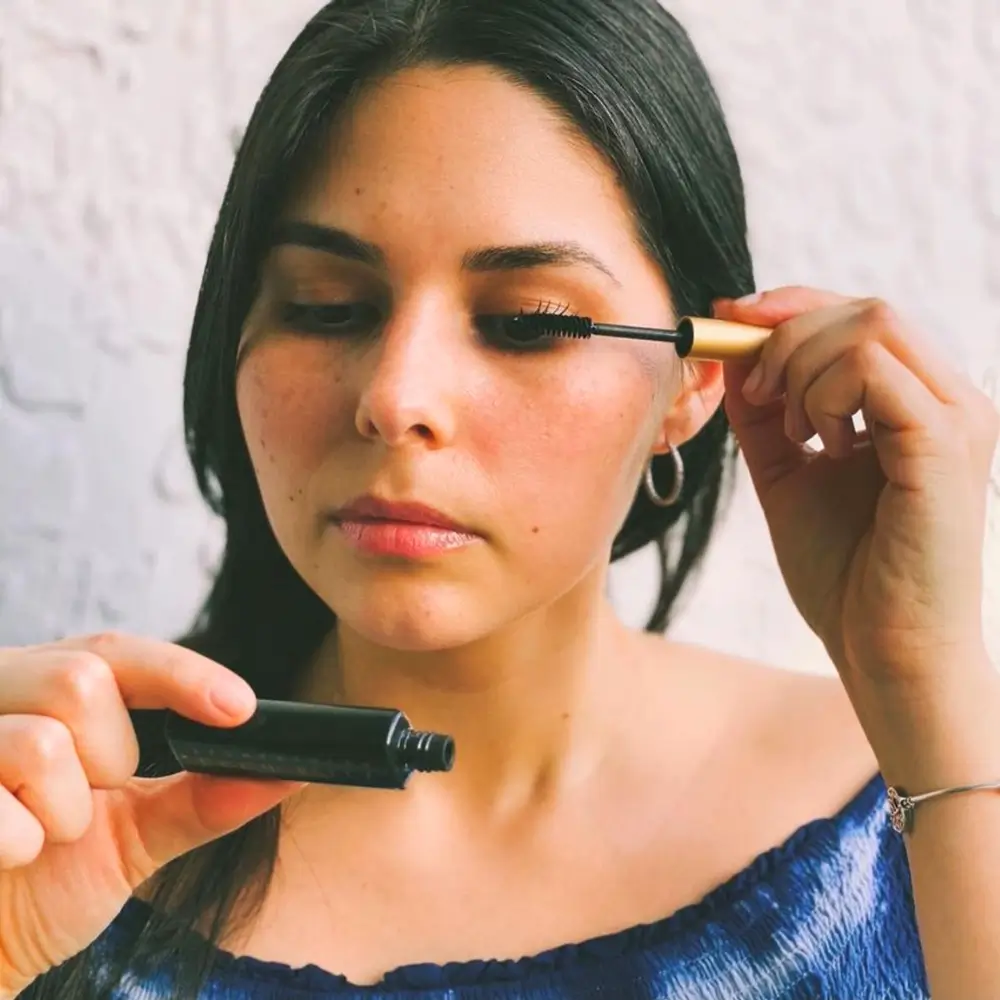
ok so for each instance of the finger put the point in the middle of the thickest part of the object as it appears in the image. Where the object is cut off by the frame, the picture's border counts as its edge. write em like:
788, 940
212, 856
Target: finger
778, 305
79, 689
89, 683
800, 348
769, 453
838, 434
760, 427
174, 815
816, 351
40, 768
875, 319
899, 405
153, 675
21, 835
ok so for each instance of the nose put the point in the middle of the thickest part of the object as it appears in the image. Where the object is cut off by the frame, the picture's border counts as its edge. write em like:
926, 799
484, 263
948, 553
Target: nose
409, 392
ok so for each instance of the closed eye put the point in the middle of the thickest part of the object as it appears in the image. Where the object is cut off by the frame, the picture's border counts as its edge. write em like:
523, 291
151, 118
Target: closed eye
353, 319
331, 319
500, 332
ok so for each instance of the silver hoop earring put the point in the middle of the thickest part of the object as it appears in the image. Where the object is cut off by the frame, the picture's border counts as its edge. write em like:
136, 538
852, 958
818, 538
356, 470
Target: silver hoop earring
676, 487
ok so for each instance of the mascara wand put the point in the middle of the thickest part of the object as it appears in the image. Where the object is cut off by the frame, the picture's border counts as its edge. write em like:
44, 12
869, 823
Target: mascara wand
696, 337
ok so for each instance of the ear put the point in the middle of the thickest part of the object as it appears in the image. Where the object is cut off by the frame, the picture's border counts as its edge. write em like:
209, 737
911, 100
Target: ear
700, 394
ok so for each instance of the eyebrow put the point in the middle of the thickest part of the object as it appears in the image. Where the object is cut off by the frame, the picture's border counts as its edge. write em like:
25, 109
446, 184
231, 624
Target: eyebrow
499, 258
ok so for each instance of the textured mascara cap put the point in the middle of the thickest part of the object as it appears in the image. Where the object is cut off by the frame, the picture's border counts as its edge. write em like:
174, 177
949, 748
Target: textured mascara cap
422, 751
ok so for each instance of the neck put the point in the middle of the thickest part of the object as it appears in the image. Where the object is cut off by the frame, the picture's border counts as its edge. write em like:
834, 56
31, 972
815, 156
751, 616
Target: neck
531, 707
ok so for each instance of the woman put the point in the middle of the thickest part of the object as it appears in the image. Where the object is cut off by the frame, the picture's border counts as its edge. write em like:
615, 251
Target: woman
627, 816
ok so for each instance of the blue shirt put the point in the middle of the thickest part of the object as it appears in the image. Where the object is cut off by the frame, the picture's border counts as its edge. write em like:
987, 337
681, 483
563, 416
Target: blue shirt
827, 914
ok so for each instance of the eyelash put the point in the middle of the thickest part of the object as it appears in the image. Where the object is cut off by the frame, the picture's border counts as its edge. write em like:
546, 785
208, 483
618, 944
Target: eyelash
307, 318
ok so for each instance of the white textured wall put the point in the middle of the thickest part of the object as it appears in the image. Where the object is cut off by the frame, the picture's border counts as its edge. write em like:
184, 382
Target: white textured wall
870, 134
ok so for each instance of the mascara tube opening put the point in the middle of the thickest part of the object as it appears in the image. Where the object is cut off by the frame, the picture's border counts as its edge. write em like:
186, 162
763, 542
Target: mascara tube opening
422, 751
685, 336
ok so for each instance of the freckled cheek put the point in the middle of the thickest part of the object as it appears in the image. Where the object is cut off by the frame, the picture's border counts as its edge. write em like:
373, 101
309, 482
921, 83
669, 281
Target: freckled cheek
292, 415
569, 448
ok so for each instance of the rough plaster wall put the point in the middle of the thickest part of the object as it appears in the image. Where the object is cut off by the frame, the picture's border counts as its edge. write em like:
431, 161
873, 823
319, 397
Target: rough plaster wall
870, 135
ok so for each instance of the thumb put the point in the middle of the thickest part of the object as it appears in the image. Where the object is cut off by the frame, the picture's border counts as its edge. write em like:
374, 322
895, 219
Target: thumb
176, 814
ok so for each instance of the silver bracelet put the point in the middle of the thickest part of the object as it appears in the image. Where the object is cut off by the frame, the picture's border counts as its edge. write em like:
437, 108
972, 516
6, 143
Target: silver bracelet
901, 805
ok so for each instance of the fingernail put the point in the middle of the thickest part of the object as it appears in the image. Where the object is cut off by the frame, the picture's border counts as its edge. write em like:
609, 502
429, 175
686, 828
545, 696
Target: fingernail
749, 300
754, 381
234, 699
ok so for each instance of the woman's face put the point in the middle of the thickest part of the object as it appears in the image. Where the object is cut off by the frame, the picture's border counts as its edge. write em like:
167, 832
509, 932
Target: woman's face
364, 370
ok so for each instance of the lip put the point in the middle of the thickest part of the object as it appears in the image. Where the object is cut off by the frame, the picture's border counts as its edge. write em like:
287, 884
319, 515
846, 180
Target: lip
374, 509
401, 530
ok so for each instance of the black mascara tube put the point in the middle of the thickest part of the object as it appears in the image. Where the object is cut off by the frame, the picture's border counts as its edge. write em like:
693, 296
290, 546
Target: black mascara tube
329, 744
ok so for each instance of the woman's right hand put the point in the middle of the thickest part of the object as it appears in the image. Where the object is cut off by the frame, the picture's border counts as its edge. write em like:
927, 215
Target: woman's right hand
78, 832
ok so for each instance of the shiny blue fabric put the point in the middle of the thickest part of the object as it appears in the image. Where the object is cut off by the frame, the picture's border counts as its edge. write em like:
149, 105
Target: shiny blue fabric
827, 914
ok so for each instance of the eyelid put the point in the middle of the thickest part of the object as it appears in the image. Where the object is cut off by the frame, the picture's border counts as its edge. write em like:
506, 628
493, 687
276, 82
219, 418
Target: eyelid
323, 275
549, 307
322, 291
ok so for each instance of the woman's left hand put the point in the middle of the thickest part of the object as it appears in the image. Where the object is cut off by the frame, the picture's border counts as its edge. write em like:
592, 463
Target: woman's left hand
879, 536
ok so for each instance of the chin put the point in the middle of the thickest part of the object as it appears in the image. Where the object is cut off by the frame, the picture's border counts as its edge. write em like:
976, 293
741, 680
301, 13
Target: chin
414, 619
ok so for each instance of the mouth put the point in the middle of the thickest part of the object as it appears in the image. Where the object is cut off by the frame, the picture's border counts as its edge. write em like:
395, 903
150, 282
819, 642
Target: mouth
373, 510
402, 529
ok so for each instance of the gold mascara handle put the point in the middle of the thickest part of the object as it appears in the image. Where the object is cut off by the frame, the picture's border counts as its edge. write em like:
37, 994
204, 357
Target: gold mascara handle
718, 339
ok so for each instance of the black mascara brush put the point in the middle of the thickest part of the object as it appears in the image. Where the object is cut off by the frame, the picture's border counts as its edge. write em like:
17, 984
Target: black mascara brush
696, 337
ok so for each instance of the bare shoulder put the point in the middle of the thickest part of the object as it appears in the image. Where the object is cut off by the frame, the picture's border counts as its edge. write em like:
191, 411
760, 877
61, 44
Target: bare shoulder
794, 736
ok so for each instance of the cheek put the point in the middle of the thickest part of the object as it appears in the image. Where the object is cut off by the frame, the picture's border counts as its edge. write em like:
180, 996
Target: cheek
571, 448
291, 409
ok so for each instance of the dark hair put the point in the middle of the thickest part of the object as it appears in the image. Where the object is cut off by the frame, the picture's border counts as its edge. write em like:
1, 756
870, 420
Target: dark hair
627, 77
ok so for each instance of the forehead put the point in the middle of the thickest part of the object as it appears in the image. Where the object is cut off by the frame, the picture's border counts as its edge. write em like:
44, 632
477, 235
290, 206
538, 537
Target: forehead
462, 156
